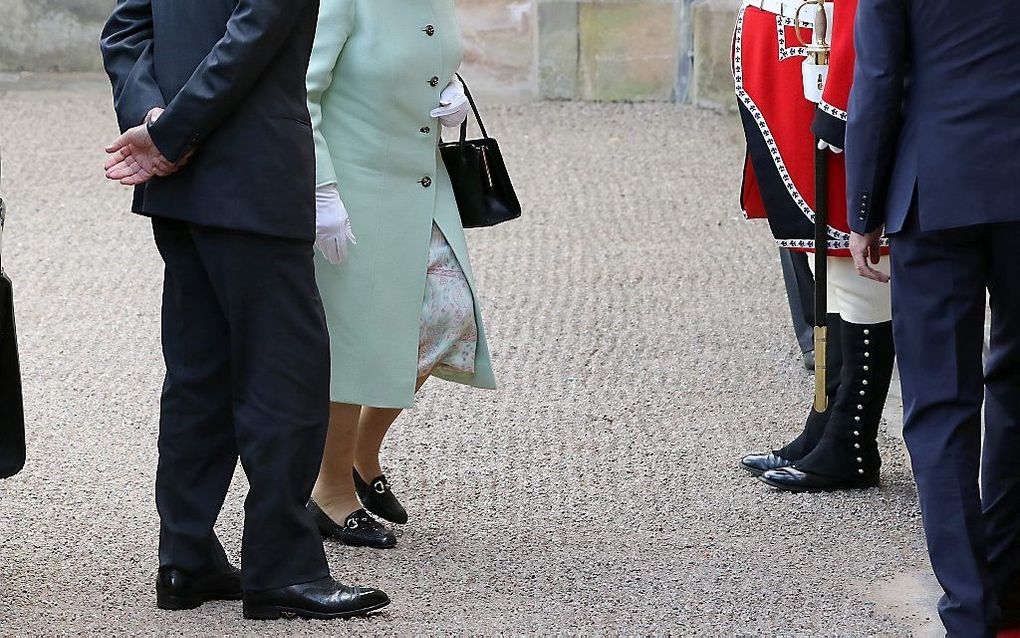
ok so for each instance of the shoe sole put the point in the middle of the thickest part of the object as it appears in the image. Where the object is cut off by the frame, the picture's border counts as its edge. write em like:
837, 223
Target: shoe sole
274, 612
334, 537
816, 490
169, 602
751, 470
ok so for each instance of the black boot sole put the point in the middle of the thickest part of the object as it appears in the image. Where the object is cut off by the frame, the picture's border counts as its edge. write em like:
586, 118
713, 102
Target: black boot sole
275, 612
809, 489
171, 602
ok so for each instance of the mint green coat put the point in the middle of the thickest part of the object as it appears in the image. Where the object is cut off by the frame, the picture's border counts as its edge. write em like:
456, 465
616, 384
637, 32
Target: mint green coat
377, 69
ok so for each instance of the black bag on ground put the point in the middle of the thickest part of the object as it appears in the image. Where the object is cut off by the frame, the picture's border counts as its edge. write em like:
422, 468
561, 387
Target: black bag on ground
480, 180
12, 415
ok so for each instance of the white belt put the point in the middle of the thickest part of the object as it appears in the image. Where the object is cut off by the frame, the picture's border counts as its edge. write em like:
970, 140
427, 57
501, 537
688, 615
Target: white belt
785, 8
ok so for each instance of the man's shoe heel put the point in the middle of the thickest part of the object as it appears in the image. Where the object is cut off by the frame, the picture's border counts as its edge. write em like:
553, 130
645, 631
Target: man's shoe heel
169, 602
261, 612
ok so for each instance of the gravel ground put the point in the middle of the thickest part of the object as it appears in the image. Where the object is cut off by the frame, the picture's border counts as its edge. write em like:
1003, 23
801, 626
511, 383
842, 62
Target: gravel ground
640, 334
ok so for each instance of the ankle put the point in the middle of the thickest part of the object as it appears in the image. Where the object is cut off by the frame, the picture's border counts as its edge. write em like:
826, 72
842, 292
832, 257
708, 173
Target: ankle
337, 505
368, 469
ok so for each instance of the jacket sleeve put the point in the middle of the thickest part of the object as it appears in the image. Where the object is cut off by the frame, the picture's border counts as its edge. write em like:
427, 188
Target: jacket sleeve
255, 32
830, 116
126, 45
876, 109
336, 20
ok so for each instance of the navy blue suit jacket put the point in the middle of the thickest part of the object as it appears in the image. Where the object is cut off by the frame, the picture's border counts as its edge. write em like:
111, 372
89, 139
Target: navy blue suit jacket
231, 75
935, 107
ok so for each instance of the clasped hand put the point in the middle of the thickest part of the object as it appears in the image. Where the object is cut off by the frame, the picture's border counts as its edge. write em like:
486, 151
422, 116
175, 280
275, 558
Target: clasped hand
133, 158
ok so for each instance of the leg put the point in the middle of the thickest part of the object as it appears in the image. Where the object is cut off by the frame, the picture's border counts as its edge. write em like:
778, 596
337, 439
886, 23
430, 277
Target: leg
938, 282
847, 455
337, 511
817, 422
279, 354
1000, 473
197, 452
801, 295
372, 428
334, 489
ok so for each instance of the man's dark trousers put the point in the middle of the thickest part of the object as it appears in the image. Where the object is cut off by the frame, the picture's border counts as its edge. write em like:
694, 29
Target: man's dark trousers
247, 359
939, 281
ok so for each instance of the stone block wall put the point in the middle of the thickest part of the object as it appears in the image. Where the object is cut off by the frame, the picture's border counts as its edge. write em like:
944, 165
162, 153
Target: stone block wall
515, 49
51, 35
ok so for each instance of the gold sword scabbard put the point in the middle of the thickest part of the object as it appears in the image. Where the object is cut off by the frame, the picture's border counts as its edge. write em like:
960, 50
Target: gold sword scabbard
821, 347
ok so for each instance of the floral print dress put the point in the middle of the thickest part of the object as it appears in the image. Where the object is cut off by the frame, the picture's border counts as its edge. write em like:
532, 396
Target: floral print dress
448, 332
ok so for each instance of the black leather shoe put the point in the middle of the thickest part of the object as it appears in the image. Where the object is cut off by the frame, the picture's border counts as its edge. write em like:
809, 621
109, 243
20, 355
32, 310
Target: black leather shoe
809, 360
791, 479
378, 498
758, 464
359, 530
177, 589
322, 599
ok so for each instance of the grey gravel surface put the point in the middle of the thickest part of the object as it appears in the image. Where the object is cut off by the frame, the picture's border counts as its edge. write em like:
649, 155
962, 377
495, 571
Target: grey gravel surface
641, 338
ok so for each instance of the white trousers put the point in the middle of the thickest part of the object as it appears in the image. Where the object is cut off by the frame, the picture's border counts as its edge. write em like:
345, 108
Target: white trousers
854, 298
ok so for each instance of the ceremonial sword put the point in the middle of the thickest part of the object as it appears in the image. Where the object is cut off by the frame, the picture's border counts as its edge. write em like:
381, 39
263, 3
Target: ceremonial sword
814, 71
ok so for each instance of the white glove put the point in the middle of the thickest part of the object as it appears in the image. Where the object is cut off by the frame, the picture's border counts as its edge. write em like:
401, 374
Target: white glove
453, 105
822, 145
332, 224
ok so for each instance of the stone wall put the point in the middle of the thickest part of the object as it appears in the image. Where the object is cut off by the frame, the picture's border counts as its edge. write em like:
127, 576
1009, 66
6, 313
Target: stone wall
517, 49
51, 35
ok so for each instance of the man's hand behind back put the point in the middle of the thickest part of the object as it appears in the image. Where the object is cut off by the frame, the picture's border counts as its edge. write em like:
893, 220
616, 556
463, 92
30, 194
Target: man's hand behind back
133, 158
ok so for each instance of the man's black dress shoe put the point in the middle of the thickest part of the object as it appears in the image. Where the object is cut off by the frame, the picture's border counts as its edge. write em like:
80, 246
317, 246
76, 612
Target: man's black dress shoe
322, 599
758, 464
791, 479
378, 498
177, 589
359, 530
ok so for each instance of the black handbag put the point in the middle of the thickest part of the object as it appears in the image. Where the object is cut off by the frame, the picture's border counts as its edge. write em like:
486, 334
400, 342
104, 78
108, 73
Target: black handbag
480, 180
12, 414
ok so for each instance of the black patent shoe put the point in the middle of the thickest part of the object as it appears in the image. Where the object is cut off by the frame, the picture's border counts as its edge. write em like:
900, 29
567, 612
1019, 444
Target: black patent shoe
358, 530
322, 599
378, 498
177, 589
758, 464
790, 479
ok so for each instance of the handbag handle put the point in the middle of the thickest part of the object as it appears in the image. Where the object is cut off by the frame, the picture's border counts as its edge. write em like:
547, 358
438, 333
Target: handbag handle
474, 107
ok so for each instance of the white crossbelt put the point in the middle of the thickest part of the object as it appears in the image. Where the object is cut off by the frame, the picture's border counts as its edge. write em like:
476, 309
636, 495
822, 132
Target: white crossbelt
787, 9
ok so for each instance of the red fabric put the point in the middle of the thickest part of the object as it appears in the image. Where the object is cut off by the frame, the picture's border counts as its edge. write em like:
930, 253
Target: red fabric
1013, 632
843, 56
776, 87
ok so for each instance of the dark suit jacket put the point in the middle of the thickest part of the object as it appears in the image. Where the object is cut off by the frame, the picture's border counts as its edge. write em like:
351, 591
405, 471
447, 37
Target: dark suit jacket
935, 106
231, 74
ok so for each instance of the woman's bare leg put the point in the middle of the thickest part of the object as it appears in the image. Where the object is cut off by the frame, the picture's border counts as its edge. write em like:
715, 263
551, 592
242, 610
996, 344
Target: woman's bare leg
372, 429
334, 489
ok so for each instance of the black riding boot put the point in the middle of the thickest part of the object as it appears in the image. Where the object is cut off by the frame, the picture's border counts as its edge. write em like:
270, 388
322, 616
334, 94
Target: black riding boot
847, 456
814, 427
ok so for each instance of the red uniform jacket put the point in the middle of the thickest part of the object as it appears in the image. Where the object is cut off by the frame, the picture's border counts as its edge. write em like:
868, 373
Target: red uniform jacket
780, 124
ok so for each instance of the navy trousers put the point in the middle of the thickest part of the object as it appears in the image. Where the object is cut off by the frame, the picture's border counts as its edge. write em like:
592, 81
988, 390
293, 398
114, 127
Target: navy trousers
939, 284
247, 376
800, 291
